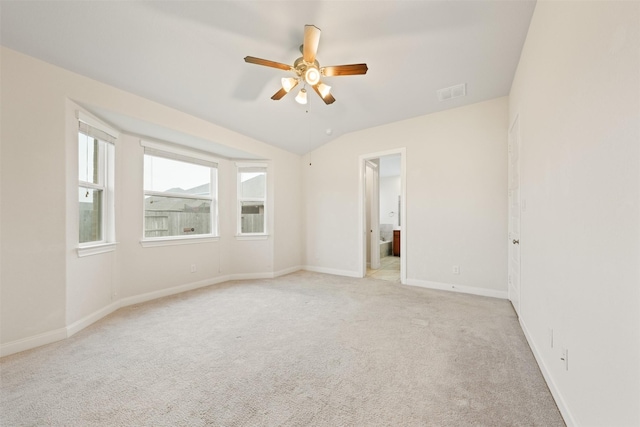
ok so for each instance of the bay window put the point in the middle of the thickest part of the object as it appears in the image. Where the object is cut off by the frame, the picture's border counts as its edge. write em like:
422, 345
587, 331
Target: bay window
180, 193
96, 155
252, 199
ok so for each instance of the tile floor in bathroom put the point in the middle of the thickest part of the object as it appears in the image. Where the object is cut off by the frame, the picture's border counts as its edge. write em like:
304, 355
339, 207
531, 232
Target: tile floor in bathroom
389, 269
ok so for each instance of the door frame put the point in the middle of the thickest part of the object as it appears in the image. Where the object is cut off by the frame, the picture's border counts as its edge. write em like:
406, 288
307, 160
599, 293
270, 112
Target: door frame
514, 293
362, 231
374, 214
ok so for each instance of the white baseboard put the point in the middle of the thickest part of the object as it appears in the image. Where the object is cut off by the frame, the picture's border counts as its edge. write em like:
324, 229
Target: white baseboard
458, 288
32, 342
63, 333
250, 276
137, 299
555, 392
287, 271
333, 271
76, 327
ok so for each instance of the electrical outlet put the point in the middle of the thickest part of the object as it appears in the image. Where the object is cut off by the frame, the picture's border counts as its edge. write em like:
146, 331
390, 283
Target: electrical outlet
456, 269
565, 358
193, 268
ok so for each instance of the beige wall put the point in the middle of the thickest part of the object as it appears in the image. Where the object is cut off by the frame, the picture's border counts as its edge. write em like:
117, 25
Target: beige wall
577, 94
47, 291
456, 197
33, 181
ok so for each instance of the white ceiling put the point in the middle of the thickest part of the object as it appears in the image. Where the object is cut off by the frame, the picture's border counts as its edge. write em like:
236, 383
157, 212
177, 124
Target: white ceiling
189, 55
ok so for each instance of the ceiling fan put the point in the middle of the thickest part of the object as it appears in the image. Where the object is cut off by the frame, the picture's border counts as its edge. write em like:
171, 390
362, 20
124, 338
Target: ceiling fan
308, 71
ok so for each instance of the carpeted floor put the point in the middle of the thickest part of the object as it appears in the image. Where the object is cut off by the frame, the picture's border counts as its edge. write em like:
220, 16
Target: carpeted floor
305, 349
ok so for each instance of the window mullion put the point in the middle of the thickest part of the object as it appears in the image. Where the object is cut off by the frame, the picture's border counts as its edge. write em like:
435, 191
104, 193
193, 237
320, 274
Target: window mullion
91, 185
177, 195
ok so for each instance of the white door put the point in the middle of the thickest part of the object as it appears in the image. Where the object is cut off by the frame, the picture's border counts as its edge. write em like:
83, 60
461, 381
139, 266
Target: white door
514, 215
372, 185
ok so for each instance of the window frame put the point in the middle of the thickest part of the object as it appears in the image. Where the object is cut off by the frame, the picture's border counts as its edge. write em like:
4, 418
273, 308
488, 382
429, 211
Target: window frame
245, 167
100, 185
106, 136
186, 155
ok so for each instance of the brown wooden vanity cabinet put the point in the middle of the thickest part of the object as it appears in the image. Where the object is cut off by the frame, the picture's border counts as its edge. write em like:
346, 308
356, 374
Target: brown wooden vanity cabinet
396, 242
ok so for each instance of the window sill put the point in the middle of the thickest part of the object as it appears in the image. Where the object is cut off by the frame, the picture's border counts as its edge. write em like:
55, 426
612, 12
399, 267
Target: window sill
96, 249
178, 240
252, 236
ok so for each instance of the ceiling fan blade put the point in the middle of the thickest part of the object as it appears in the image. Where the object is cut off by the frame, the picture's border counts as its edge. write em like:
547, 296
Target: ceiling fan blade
310, 44
344, 70
329, 99
267, 63
279, 94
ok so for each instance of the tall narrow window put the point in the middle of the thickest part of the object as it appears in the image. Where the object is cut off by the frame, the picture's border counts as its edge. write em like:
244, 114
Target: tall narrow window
252, 199
180, 194
95, 182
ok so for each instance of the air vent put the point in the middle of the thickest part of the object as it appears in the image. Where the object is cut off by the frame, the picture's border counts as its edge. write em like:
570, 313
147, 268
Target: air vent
452, 92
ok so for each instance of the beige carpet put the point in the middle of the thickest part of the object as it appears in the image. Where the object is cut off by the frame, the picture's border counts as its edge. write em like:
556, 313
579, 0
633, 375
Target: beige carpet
305, 349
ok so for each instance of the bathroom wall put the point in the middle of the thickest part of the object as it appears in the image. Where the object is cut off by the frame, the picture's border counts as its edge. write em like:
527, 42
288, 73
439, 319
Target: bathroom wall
389, 214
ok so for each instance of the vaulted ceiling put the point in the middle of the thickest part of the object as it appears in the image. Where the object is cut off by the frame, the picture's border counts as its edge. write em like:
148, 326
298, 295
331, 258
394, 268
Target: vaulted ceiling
189, 55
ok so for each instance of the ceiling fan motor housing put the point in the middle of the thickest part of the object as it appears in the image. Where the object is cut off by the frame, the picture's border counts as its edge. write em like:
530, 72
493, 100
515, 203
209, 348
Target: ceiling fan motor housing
308, 69
310, 72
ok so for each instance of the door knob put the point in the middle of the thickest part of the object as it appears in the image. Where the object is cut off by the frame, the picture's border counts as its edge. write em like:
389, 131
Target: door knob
516, 242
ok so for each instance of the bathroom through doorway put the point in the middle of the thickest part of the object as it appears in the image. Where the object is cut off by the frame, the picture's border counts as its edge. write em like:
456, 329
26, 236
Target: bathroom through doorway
384, 216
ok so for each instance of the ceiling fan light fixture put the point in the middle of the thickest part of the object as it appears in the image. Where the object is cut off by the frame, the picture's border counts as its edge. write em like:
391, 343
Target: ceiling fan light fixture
324, 89
307, 70
301, 98
312, 76
289, 83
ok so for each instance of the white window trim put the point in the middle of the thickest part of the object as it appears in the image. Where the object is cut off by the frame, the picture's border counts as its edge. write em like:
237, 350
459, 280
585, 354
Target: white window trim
181, 151
251, 236
94, 122
186, 153
151, 242
108, 243
102, 185
100, 248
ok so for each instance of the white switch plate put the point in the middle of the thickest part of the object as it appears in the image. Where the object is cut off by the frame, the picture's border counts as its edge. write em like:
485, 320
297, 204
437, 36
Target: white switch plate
456, 269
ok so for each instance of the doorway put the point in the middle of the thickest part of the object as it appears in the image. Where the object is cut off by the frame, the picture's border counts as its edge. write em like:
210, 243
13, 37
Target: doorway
372, 200
383, 215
